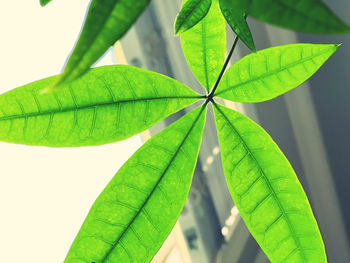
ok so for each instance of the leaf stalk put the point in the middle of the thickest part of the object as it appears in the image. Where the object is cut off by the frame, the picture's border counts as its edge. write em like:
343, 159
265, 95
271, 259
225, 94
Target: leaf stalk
211, 94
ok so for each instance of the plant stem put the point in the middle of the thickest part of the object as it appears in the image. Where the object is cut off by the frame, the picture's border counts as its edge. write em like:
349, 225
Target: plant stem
210, 96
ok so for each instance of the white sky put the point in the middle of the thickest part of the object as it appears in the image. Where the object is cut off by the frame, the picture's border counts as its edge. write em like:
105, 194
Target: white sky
45, 193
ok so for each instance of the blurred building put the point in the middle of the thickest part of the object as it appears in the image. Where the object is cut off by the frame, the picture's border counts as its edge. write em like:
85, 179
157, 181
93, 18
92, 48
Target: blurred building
310, 124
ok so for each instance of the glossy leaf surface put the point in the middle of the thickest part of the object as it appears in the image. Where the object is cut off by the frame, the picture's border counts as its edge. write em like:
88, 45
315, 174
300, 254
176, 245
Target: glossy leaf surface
108, 104
106, 22
272, 72
191, 13
136, 212
234, 14
266, 191
44, 2
204, 46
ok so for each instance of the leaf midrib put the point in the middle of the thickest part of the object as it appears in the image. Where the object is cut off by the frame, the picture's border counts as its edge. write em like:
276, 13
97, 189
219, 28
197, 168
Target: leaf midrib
158, 182
269, 74
268, 183
204, 45
36, 114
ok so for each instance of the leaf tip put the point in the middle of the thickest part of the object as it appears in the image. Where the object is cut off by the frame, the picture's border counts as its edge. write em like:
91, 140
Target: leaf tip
252, 46
336, 47
179, 30
177, 27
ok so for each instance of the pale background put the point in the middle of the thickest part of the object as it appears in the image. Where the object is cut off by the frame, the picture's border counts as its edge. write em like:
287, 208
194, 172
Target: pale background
45, 193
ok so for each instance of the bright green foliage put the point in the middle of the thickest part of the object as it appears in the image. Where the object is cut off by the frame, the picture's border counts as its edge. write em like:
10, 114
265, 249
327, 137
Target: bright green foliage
266, 191
234, 15
309, 16
272, 72
136, 212
191, 13
107, 104
106, 22
44, 2
204, 46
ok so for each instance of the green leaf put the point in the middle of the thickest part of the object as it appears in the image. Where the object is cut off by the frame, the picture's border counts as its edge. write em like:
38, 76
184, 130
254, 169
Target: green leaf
191, 13
106, 22
272, 72
234, 14
107, 104
44, 2
204, 46
266, 191
136, 212
309, 16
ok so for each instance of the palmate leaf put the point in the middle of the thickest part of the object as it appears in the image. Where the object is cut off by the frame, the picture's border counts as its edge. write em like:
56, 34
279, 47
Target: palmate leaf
204, 46
309, 16
107, 104
266, 191
234, 14
191, 13
136, 212
272, 72
106, 22
44, 2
